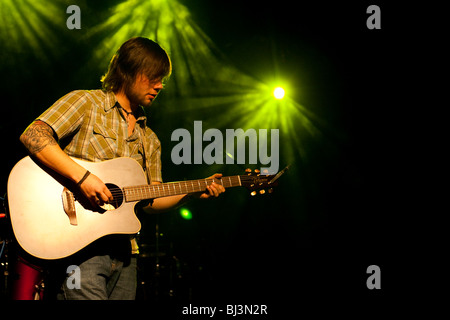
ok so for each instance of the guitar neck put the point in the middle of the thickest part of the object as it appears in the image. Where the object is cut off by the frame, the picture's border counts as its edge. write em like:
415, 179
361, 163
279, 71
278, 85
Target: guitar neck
137, 193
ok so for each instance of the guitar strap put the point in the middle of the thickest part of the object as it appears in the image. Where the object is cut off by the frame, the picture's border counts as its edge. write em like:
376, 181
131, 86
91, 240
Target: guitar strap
146, 166
145, 158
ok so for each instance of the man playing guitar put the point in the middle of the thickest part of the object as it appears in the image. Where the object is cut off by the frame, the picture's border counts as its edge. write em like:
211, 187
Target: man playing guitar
101, 125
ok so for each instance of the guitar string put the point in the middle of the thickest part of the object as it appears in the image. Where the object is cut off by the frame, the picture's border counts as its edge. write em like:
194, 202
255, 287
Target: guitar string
137, 192
181, 186
186, 184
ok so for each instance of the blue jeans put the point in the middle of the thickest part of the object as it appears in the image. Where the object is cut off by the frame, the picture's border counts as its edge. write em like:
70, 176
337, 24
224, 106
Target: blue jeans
103, 278
106, 270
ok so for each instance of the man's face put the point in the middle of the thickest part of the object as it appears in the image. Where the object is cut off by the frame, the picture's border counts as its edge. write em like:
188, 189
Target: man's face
144, 91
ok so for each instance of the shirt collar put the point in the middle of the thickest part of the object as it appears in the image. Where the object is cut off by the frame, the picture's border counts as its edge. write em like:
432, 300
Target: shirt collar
111, 102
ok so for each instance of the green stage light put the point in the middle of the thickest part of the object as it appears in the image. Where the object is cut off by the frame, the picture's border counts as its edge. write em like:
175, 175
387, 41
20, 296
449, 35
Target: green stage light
29, 26
278, 93
186, 214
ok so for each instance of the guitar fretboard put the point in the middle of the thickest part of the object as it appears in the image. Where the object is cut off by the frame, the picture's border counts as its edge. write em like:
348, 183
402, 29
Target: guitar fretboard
137, 193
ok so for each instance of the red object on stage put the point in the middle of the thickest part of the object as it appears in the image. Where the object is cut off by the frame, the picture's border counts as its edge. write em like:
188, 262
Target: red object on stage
28, 282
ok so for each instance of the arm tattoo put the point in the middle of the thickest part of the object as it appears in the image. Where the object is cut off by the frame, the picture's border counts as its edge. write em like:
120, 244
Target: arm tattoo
37, 136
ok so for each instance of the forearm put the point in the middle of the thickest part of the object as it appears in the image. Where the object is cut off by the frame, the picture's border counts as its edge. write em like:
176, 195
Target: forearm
160, 205
39, 140
166, 203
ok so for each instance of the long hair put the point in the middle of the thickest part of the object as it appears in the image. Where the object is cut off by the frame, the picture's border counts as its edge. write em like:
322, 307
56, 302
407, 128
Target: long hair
136, 56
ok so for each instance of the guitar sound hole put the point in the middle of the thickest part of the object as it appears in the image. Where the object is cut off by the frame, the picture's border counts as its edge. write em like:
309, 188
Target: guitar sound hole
117, 197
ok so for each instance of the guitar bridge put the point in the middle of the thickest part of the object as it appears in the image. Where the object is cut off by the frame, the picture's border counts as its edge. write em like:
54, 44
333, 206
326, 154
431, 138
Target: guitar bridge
68, 201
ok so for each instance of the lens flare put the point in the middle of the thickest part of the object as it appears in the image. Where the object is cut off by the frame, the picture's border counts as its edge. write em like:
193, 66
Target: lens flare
278, 93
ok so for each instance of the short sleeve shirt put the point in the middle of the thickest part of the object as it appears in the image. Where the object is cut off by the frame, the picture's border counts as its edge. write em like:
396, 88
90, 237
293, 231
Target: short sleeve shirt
91, 126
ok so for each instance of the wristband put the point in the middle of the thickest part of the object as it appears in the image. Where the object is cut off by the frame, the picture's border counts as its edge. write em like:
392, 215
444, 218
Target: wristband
84, 178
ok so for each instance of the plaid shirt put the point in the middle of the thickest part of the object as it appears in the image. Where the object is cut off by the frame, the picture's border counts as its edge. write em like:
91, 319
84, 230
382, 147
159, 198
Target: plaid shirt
90, 126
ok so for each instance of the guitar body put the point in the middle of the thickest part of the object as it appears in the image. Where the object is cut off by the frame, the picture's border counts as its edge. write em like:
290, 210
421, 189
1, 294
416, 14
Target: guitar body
38, 216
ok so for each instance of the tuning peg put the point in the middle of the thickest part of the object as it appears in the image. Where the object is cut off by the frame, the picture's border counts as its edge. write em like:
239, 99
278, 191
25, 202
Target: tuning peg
249, 171
257, 171
270, 190
262, 191
253, 193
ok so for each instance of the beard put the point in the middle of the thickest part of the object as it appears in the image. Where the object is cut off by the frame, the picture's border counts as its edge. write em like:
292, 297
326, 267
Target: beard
136, 98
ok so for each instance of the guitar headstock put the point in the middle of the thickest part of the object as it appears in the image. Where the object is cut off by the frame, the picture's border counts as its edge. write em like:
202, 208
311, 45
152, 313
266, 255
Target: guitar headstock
258, 183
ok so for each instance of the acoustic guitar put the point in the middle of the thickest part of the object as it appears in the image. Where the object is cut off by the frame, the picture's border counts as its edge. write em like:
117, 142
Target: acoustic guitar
52, 220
